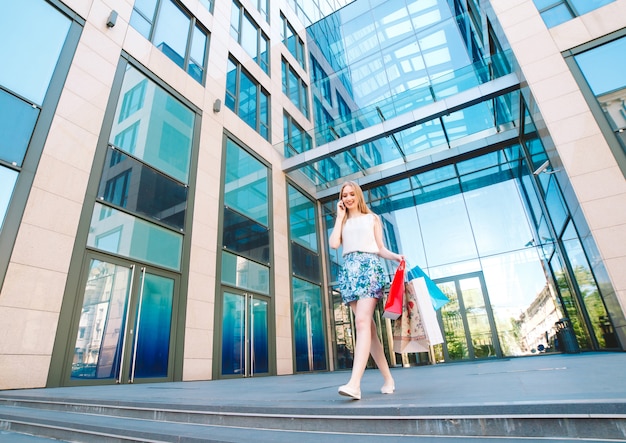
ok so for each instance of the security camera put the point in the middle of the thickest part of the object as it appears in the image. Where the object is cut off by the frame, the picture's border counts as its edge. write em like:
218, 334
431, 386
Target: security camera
541, 168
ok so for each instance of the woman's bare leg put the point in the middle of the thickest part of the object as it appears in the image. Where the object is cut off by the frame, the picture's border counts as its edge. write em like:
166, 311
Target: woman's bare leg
378, 354
367, 342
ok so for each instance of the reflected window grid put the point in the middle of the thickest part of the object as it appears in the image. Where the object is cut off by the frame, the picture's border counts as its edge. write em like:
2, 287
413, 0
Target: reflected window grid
175, 32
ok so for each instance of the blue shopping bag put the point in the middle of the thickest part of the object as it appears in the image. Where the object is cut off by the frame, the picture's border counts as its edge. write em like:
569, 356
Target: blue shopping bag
437, 297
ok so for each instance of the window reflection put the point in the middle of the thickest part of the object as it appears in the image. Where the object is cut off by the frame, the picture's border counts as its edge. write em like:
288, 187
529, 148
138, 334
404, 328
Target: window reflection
35, 42
129, 184
175, 32
118, 233
159, 134
603, 68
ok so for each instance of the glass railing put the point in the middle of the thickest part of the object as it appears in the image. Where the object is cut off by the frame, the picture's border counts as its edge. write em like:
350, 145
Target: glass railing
459, 128
439, 88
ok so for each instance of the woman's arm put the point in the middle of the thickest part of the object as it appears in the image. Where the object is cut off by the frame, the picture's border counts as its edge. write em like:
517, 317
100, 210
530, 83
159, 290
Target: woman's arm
335, 237
382, 250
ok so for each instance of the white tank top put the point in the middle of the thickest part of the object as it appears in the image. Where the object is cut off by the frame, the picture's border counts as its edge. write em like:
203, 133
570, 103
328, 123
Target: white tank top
358, 235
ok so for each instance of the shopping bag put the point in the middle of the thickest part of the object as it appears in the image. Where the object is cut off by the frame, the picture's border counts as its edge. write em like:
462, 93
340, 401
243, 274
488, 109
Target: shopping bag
437, 297
393, 305
417, 329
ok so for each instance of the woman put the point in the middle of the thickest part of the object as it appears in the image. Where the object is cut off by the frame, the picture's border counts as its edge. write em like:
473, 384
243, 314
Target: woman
361, 281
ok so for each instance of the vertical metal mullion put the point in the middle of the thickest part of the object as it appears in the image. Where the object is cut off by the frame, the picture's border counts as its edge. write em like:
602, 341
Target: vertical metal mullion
135, 341
125, 332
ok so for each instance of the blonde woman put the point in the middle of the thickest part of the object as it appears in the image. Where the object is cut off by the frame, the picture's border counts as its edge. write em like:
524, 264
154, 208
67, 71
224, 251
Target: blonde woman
361, 281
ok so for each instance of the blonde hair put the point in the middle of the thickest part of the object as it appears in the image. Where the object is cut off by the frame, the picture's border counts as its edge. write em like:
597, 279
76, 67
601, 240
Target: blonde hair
358, 192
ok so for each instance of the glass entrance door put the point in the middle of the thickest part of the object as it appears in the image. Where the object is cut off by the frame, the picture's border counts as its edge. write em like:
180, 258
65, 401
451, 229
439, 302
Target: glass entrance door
245, 342
468, 323
125, 327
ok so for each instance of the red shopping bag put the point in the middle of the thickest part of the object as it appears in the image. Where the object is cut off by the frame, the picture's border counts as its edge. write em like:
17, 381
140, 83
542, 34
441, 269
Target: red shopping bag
393, 306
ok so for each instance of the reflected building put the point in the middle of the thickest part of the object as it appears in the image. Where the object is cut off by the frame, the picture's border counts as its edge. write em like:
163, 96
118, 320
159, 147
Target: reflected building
169, 181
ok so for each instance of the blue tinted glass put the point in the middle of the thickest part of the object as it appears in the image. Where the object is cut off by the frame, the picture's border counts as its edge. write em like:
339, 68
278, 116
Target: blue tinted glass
37, 32
249, 36
166, 128
446, 238
246, 184
154, 326
197, 57
556, 16
495, 212
588, 288
172, 29
119, 233
8, 177
468, 121
555, 205
233, 334
604, 66
308, 321
584, 6
302, 219
541, 4
17, 121
231, 85
248, 100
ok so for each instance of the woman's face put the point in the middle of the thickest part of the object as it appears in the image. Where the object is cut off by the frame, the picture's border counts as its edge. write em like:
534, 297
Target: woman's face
348, 197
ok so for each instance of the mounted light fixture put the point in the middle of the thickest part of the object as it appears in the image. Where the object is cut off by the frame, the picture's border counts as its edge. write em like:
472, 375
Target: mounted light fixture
112, 19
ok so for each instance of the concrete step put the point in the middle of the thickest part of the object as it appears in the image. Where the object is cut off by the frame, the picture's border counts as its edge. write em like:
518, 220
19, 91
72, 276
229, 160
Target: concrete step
97, 421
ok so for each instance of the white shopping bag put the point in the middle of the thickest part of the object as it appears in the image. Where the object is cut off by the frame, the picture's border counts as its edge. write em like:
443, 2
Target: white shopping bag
417, 329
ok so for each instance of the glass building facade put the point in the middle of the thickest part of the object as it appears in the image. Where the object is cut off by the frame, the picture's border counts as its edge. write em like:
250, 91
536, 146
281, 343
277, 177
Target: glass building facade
169, 181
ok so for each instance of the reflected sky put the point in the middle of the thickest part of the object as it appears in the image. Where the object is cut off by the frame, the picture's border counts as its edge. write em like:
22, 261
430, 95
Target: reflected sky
468, 218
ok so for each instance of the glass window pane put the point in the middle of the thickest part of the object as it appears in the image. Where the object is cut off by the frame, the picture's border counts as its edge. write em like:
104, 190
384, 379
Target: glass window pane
249, 35
246, 237
161, 134
246, 184
170, 35
17, 121
154, 327
37, 32
588, 289
8, 177
556, 205
585, 6
245, 274
305, 263
446, 239
302, 220
231, 85
557, 15
198, 51
122, 234
308, 321
604, 66
248, 100
130, 184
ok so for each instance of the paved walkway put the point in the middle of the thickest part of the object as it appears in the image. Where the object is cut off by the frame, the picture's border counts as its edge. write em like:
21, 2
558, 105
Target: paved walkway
586, 383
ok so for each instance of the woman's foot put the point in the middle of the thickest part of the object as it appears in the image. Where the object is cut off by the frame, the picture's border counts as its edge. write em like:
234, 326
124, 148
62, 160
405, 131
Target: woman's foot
388, 387
349, 391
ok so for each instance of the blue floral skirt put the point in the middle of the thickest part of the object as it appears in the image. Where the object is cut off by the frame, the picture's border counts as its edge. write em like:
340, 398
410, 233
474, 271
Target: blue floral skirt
362, 276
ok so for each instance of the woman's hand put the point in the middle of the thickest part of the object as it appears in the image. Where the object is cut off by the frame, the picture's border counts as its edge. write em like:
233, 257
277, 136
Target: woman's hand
341, 210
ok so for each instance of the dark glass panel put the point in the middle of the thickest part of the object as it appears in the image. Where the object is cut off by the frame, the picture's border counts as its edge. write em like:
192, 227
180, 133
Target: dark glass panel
246, 237
305, 263
138, 188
